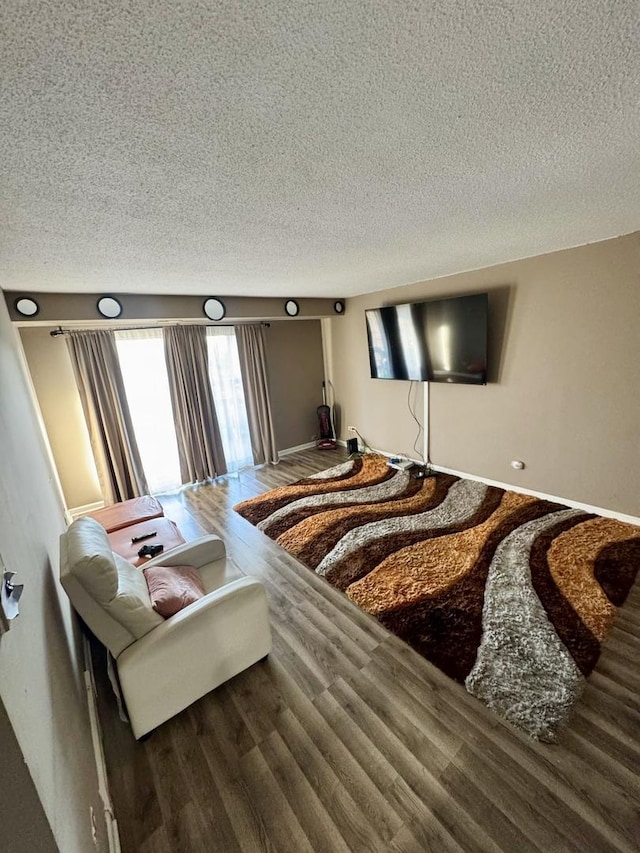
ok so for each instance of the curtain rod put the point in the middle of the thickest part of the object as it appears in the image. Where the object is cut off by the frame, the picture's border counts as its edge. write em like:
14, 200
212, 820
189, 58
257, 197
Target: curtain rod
60, 331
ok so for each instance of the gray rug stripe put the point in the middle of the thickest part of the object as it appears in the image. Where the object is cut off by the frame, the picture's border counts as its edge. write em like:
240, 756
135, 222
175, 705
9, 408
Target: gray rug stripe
523, 671
390, 488
463, 500
337, 471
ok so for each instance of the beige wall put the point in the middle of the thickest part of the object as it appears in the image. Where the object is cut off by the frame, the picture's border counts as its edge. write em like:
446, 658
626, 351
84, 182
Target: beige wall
41, 682
563, 395
294, 353
57, 393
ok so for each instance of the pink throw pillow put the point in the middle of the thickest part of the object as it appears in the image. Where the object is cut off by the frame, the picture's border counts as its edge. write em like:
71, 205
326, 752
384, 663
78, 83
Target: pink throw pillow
173, 587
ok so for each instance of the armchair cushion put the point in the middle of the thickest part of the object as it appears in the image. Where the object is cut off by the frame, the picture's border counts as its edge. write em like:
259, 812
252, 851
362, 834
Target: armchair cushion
131, 606
122, 514
173, 587
113, 583
91, 561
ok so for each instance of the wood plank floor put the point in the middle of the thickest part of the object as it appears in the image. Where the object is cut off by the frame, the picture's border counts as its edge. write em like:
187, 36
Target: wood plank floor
347, 740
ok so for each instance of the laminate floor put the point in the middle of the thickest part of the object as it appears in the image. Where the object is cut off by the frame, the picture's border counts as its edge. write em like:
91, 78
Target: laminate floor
347, 740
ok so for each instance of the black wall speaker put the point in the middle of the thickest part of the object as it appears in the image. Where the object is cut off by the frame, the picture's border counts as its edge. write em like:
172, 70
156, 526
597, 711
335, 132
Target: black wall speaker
352, 445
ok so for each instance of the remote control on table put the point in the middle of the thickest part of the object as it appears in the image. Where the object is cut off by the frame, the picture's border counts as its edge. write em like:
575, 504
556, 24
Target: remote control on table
143, 536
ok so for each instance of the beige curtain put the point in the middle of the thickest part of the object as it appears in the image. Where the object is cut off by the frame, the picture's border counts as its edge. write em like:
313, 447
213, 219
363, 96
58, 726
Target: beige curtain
95, 362
253, 364
199, 443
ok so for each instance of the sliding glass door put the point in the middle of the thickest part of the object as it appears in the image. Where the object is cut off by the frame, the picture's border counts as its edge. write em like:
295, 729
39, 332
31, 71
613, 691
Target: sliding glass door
144, 372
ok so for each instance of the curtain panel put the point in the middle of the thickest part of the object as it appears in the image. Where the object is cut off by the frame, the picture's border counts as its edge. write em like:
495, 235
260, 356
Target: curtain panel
228, 392
97, 370
253, 364
199, 444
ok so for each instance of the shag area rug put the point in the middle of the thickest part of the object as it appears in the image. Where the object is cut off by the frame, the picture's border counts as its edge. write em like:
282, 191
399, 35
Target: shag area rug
506, 593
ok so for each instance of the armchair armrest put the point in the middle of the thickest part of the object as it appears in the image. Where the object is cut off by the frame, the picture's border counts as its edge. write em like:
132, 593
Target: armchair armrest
197, 553
194, 651
204, 608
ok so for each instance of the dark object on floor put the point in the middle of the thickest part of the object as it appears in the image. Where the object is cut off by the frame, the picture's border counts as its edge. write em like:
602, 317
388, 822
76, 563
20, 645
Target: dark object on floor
421, 472
326, 440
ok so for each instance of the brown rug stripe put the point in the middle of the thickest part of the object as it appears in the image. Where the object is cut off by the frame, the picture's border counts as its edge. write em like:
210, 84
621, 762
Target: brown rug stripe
287, 523
571, 560
360, 563
616, 568
368, 471
582, 645
429, 622
310, 539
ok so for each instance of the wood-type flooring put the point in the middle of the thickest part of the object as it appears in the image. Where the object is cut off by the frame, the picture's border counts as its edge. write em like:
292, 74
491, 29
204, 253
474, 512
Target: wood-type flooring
345, 739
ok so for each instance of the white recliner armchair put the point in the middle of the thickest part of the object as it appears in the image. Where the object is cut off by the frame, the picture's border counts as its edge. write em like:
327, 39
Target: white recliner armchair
165, 664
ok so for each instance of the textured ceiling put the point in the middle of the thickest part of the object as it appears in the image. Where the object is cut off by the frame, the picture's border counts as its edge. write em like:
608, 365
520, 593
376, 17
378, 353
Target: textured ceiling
309, 148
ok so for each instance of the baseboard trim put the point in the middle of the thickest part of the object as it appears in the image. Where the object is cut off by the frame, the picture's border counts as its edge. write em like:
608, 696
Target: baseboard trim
113, 836
288, 450
77, 511
597, 510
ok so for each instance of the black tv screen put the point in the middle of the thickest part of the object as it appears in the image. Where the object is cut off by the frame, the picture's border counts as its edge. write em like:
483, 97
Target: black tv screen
443, 340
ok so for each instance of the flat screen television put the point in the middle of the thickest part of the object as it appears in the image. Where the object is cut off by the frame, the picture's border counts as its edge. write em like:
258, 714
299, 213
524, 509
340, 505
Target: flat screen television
442, 340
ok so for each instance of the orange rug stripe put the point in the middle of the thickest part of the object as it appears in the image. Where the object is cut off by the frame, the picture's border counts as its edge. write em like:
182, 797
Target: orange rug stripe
571, 559
429, 568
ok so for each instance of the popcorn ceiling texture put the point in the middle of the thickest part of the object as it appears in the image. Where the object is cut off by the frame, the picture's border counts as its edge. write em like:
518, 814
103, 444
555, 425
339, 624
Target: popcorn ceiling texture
309, 148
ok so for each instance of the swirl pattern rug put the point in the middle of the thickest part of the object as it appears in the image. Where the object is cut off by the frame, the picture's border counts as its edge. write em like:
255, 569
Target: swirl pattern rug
506, 593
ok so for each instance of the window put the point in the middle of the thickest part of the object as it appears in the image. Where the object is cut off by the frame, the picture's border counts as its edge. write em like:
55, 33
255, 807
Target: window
144, 373
228, 394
